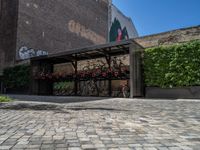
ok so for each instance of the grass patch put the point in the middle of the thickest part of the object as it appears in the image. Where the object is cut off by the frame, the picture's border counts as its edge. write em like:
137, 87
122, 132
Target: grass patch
5, 99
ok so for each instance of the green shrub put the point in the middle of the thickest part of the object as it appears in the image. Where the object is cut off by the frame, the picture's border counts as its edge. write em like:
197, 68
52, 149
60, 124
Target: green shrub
173, 66
5, 99
63, 85
17, 77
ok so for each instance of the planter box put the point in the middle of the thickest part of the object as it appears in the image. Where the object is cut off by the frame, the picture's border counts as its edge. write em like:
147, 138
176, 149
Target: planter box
173, 93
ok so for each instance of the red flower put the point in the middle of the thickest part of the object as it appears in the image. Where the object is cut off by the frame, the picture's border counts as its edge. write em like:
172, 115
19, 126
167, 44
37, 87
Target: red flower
104, 74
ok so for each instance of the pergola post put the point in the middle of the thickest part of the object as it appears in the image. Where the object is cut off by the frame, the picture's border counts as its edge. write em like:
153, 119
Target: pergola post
76, 80
108, 59
136, 80
41, 87
34, 89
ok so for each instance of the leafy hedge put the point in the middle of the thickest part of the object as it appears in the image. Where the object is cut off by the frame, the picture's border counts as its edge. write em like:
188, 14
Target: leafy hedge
17, 77
173, 66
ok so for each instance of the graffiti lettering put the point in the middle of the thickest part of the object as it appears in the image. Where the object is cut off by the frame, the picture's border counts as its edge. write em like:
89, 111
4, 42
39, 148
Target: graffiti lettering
82, 31
26, 53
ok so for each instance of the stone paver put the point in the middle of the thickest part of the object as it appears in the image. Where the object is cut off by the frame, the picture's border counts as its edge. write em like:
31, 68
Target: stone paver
109, 124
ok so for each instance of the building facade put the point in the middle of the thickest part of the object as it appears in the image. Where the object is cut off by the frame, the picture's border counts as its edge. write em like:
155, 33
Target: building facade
33, 27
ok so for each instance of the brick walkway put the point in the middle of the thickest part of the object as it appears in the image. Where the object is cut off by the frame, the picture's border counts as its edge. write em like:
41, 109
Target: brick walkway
107, 124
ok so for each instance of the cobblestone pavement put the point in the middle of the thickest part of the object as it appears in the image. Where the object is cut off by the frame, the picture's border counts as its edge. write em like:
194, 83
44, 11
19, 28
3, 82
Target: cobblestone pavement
108, 124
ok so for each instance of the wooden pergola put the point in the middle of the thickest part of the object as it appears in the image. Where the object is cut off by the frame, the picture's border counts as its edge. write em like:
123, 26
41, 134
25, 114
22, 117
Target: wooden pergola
106, 51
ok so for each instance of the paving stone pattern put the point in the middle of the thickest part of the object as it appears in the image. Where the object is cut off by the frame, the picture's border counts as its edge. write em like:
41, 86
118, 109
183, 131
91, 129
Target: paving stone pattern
109, 124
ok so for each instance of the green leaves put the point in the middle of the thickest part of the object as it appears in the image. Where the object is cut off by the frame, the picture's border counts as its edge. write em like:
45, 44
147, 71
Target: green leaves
17, 77
173, 66
63, 85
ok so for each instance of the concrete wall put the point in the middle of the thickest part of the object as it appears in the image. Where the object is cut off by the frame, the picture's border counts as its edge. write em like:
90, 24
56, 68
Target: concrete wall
8, 29
171, 37
173, 93
51, 26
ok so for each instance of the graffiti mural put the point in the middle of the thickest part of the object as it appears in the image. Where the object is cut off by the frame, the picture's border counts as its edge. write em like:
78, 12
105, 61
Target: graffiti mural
122, 27
27, 53
117, 33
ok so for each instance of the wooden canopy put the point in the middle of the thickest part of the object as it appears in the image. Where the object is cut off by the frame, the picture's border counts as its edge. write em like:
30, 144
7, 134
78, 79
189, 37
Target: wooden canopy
106, 51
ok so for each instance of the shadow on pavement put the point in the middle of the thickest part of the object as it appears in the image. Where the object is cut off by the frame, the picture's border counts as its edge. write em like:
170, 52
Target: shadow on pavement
56, 99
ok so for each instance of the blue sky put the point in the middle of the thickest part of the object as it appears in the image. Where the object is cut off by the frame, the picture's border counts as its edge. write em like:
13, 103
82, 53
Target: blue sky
155, 16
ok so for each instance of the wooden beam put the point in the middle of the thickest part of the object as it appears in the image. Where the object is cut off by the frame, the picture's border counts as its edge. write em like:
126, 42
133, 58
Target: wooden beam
86, 55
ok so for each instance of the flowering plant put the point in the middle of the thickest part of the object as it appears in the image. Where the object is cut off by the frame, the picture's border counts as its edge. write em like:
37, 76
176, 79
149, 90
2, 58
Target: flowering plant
123, 72
97, 71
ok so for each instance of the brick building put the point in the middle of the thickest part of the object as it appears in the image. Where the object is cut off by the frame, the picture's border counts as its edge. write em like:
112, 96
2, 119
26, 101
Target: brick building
33, 27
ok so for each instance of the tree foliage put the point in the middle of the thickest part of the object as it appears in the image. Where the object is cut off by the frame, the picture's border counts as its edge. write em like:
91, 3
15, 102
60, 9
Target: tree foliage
17, 77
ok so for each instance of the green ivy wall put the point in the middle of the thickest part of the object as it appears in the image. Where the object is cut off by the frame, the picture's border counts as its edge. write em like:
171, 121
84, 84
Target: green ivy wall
173, 66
